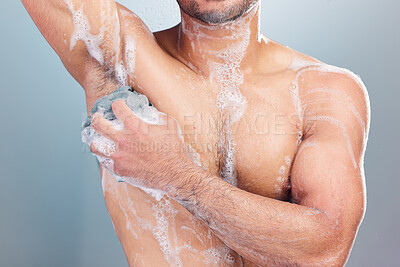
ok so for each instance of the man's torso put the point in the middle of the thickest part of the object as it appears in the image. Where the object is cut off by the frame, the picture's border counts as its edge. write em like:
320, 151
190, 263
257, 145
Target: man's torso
264, 141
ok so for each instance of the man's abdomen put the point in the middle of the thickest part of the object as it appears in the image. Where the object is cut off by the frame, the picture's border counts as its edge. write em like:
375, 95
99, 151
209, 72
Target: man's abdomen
161, 232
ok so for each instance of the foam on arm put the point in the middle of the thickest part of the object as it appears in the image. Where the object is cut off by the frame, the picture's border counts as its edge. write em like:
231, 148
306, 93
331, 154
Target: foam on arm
328, 173
82, 32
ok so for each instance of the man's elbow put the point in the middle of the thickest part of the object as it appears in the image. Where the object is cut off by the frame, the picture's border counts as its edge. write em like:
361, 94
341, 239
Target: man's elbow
328, 258
331, 249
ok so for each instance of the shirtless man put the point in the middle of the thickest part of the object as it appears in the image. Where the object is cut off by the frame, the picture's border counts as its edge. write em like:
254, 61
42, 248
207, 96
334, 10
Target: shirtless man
280, 136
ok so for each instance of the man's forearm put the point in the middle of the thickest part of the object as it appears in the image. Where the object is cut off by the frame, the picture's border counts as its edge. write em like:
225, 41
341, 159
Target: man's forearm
263, 230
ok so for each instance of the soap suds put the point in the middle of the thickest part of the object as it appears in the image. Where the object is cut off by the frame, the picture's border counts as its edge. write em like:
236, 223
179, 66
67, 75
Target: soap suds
218, 256
105, 52
282, 175
130, 55
230, 101
82, 31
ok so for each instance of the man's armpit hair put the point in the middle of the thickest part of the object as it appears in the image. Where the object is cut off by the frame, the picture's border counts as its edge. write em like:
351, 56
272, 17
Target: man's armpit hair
101, 80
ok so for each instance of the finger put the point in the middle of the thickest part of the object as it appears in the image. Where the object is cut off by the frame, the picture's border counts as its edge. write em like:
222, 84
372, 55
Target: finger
125, 115
104, 127
114, 155
94, 150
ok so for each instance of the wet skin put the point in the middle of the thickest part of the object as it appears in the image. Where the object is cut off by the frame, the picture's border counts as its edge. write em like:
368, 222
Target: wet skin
302, 136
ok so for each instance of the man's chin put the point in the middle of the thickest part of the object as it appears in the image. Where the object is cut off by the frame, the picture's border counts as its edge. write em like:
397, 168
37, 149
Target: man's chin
215, 17
225, 12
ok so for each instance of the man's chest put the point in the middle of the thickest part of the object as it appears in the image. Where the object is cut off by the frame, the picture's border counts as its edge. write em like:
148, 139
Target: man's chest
256, 149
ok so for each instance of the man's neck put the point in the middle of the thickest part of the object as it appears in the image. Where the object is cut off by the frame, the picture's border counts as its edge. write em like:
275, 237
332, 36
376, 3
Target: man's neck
201, 45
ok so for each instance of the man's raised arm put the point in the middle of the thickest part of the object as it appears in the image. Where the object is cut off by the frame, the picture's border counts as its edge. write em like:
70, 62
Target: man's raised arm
84, 33
102, 44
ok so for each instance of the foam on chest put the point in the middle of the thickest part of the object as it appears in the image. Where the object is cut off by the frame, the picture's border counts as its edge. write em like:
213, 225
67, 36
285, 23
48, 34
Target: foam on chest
266, 139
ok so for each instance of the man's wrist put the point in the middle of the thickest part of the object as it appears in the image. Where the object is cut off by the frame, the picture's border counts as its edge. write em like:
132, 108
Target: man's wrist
188, 182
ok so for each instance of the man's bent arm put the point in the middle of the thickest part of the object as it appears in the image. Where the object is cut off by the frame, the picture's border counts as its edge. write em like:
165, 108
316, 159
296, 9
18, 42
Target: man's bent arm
327, 187
263, 230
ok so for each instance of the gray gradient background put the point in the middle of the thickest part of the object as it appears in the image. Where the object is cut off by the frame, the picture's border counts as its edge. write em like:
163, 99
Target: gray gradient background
51, 204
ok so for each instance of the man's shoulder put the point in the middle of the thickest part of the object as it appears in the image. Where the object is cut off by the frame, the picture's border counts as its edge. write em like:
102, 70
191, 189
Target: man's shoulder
330, 91
312, 74
330, 79
321, 88
308, 73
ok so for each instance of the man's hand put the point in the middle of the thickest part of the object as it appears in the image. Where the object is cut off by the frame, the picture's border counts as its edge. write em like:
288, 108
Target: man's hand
151, 155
